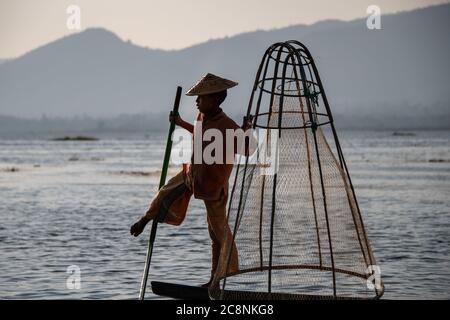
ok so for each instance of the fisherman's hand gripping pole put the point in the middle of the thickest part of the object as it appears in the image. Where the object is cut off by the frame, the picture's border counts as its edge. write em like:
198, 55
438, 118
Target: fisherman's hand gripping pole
162, 181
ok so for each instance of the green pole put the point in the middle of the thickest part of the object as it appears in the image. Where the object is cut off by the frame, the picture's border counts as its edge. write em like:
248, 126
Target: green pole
162, 181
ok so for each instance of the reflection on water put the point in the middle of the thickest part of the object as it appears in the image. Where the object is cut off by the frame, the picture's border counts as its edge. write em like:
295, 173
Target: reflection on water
66, 203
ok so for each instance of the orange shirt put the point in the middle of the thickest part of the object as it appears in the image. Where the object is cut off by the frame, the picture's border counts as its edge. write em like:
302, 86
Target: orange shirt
210, 180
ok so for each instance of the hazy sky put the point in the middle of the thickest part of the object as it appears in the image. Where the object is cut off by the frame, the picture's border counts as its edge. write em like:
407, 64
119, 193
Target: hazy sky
171, 24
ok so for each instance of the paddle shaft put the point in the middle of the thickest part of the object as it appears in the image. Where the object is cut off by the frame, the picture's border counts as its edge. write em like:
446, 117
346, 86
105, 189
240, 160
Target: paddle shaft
162, 181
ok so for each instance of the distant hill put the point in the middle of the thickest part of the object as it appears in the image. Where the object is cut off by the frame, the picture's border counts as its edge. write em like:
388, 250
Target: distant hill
397, 76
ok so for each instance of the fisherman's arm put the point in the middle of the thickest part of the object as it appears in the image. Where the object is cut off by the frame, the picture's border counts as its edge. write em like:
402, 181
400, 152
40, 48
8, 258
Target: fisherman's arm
181, 123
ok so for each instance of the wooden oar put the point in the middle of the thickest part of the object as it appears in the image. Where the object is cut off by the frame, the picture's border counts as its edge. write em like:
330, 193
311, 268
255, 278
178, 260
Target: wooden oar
162, 181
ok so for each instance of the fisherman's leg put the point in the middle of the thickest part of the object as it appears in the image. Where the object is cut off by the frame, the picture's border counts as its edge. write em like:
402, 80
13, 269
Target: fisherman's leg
137, 228
216, 211
215, 253
215, 246
155, 203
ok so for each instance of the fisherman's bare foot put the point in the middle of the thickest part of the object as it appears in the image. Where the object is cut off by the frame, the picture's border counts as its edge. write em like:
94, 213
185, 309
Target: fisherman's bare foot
206, 285
137, 228
214, 286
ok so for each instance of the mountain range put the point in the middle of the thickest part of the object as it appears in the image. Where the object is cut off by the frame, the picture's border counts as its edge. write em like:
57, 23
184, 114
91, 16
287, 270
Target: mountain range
395, 77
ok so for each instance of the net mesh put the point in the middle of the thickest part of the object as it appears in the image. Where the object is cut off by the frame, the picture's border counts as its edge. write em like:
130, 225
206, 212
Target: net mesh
298, 229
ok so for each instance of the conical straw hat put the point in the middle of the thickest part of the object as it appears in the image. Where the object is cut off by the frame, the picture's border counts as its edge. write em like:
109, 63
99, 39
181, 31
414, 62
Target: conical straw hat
210, 83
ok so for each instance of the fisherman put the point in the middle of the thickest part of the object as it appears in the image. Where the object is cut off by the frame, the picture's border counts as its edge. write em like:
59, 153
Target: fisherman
206, 181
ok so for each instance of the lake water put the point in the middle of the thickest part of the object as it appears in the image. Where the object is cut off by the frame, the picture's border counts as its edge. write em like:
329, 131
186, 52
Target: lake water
71, 204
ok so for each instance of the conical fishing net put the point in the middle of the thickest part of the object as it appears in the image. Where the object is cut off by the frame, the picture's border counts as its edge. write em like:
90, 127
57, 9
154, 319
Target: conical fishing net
293, 210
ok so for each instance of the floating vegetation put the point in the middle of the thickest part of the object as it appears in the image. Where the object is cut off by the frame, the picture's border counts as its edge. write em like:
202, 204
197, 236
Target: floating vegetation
76, 158
403, 134
75, 138
139, 173
439, 160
